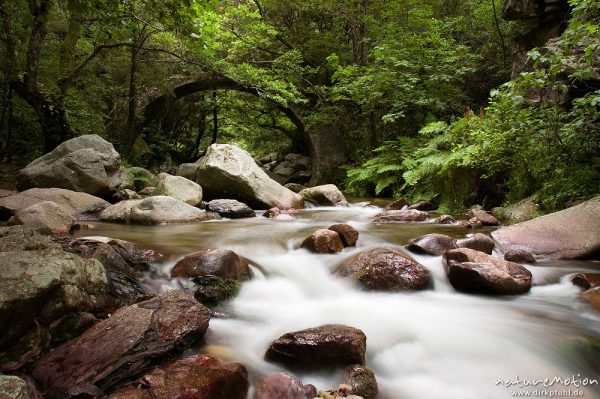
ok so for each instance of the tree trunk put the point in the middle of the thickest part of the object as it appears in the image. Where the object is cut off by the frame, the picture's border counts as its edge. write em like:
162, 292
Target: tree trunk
215, 131
130, 131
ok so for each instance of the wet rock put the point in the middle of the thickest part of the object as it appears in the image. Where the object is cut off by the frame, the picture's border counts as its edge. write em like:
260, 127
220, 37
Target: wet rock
423, 206
231, 209
87, 164
282, 386
143, 178
222, 263
122, 346
519, 256
445, 219
397, 205
229, 172
20, 238
212, 290
45, 218
74, 203
295, 187
45, 285
572, 233
12, 387
323, 242
179, 188
347, 233
385, 269
482, 216
318, 348
362, 381
476, 272
406, 215
432, 244
586, 280
326, 195
271, 213
479, 242
195, 377
154, 210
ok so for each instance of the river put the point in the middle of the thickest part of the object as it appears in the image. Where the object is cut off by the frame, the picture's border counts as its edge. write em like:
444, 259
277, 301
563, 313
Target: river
436, 344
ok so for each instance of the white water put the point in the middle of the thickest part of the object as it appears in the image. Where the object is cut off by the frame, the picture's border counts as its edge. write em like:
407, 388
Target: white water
427, 345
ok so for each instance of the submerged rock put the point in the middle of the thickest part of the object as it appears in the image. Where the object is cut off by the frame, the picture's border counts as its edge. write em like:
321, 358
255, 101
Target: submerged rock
323, 242
326, 195
179, 188
385, 269
432, 244
122, 346
476, 272
406, 215
569, 234
318, 348
154, 210
194, 377
222, 263
231, 209
87, 164
347, 233
227, 171
282, 386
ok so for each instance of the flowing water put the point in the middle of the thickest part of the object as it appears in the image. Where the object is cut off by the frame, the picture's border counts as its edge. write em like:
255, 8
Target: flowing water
427, 345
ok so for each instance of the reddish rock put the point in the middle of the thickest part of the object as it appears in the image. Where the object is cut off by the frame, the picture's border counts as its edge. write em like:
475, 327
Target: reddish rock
214, 262
282, 386
362, 380
385, 269
347, 233
445, 219
121, 346
432, 244
586, 280
485, 218
476, 272
592, 297
397, 204
423, 206
479, 242
406, 215
195, 377
519, 256
318, 348
323, 242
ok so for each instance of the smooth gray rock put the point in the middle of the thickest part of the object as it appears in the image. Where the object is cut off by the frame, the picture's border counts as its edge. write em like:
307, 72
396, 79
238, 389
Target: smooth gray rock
231, 209
227, 171
44, 217
87, 164
572, 233
154, 210
325, 195
179, 188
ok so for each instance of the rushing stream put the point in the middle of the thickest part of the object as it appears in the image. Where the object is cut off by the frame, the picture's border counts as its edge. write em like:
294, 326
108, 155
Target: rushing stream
427, 345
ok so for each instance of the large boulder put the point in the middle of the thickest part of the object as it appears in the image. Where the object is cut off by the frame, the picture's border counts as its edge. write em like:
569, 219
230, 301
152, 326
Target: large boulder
222, 263
122, 346
521, 211
45, 285
325, 195
385, 269
400, 216
45, 218
88, 164
78, 205
154, 210
231, 209
282, 386
227, 171
318, 348
194, 377
323, 242
476, 272
179, 188
572, 233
